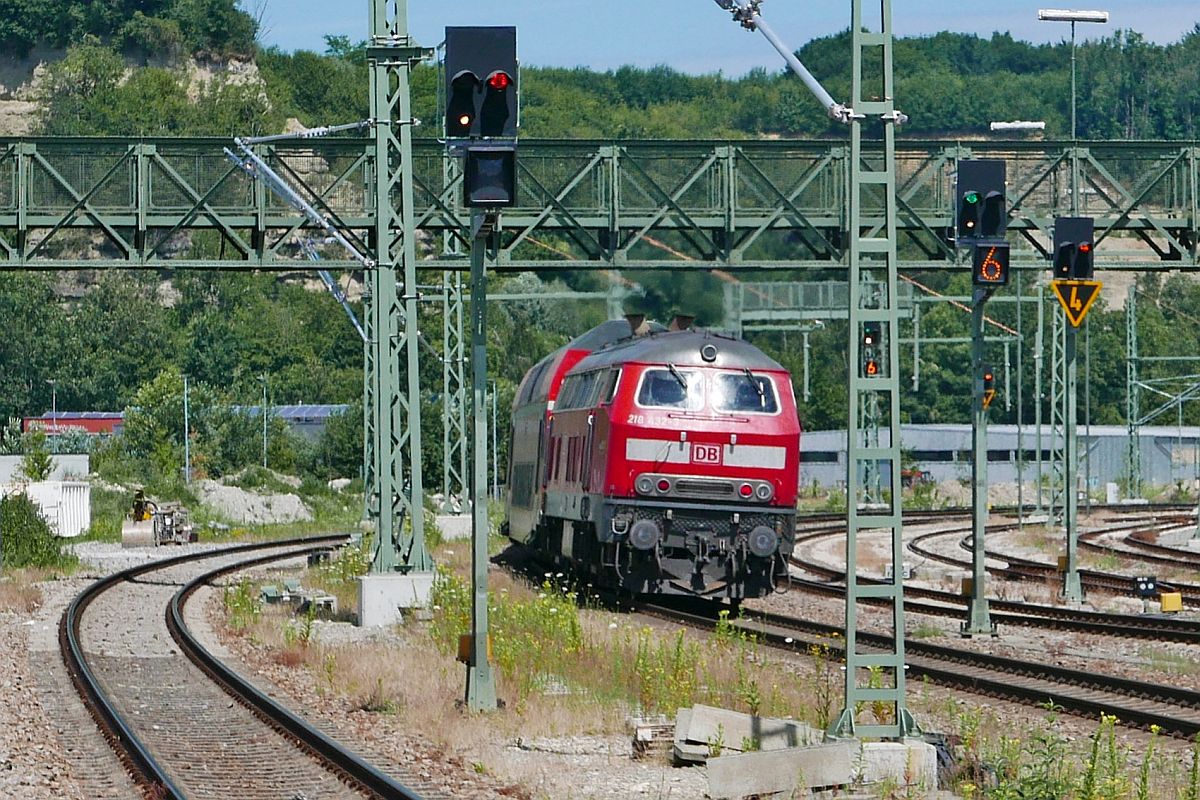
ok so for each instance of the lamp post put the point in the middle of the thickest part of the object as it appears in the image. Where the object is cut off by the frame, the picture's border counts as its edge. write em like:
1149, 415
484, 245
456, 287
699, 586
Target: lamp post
263, 380
187, 438
1066, 15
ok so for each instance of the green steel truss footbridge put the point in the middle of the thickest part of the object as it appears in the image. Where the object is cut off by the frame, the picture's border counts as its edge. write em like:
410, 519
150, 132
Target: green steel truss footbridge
754, 205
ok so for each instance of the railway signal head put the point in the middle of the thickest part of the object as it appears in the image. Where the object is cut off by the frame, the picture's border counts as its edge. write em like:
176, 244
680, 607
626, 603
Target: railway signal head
481, 82
982, 203
990, 264
1074, 248
1145, 586
872, 334
989, 386
490, 177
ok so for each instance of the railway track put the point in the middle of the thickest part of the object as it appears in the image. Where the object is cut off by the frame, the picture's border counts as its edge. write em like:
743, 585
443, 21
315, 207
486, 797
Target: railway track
949, 604
1018, 568
164, 701
1134, 703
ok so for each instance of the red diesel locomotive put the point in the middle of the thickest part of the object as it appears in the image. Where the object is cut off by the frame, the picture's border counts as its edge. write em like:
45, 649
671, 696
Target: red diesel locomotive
660, 461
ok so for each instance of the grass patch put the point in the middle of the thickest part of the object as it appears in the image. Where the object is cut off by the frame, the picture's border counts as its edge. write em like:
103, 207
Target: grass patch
339, 575
109, 510
544, 640
18, 591
1169, 662
925, 630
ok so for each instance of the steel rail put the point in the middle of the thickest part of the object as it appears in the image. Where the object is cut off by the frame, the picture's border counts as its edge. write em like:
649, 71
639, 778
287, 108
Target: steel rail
132, 752
337, 757
1174, 711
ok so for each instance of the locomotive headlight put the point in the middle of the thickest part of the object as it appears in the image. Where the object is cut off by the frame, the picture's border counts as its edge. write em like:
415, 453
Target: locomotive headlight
764, 491
644, 534
763, 541
644, 484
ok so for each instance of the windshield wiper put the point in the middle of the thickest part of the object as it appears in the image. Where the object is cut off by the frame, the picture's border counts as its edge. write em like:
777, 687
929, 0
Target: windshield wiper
762, 396
678, 377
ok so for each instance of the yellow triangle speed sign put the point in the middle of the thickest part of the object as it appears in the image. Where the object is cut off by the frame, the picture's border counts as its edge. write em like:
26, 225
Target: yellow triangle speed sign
1076, 297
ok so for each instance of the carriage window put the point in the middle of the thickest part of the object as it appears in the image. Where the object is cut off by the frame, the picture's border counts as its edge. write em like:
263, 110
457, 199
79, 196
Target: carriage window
611, 379
743, 393
664, 388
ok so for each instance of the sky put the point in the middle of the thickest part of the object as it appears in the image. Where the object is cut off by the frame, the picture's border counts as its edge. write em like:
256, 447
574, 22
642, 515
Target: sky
696, 36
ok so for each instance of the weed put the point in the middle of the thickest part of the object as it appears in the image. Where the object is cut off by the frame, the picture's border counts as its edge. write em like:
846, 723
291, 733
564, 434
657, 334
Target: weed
329, 670
880, 708
925, 630
824, 682
716, 742
1143, 784
380, 700
1192, 791
242, 604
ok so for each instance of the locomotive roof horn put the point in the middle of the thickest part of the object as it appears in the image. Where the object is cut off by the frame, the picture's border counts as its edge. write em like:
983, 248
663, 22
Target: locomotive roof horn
682, 322
637, 324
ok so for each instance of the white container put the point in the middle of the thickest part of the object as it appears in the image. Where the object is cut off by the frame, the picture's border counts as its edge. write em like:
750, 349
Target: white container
65, 505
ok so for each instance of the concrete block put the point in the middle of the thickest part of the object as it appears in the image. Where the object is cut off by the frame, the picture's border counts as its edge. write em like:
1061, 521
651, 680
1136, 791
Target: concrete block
382, 597
760, 773
454, 526
708, 724
910, 764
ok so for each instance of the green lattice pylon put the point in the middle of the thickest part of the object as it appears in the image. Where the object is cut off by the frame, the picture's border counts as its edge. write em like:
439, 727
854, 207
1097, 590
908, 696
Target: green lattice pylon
875, 678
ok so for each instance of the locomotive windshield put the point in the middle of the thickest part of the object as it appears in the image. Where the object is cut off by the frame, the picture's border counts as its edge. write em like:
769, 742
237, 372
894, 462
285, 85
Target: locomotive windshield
744, 393
671, 388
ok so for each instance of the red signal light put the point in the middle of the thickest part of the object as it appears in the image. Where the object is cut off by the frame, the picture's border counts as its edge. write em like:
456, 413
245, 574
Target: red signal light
664, 485
1085, 248
499, 81
745, 490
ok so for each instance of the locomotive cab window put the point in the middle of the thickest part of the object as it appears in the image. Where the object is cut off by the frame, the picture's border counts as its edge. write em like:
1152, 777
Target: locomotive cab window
671, 388
745, 393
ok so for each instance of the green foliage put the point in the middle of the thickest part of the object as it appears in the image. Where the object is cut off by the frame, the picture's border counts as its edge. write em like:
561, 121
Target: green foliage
339, 450
36, 464
243, 604
150, 26
25, 538
108, 513
88, 93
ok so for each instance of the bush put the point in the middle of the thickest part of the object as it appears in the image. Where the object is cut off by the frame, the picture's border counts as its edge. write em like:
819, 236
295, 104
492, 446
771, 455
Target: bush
36, 465
25, 538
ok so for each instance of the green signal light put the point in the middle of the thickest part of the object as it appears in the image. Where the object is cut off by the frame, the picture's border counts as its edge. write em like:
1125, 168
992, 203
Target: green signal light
971, 197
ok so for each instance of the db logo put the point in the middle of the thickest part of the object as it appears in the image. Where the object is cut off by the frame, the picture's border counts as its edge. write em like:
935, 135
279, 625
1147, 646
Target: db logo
706, 454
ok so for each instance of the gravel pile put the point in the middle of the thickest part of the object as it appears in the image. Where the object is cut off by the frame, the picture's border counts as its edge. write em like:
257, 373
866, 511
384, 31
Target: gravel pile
250, 508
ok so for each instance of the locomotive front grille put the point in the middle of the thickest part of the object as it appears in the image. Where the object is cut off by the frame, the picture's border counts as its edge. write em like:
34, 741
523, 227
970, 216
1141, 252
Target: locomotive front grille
692, 487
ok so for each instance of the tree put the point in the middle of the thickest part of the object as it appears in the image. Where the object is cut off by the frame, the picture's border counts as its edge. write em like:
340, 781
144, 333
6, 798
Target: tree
37, 463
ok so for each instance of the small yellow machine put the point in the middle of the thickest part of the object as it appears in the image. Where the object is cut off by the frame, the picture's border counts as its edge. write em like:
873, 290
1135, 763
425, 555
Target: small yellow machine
151, 524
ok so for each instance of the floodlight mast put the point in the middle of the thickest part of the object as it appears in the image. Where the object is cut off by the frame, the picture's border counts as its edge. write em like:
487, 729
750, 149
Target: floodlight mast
1069, 15
746, 14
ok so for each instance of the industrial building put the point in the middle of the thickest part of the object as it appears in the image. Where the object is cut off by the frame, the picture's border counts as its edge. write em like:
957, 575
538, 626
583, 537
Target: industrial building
306, 420
1169, 455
